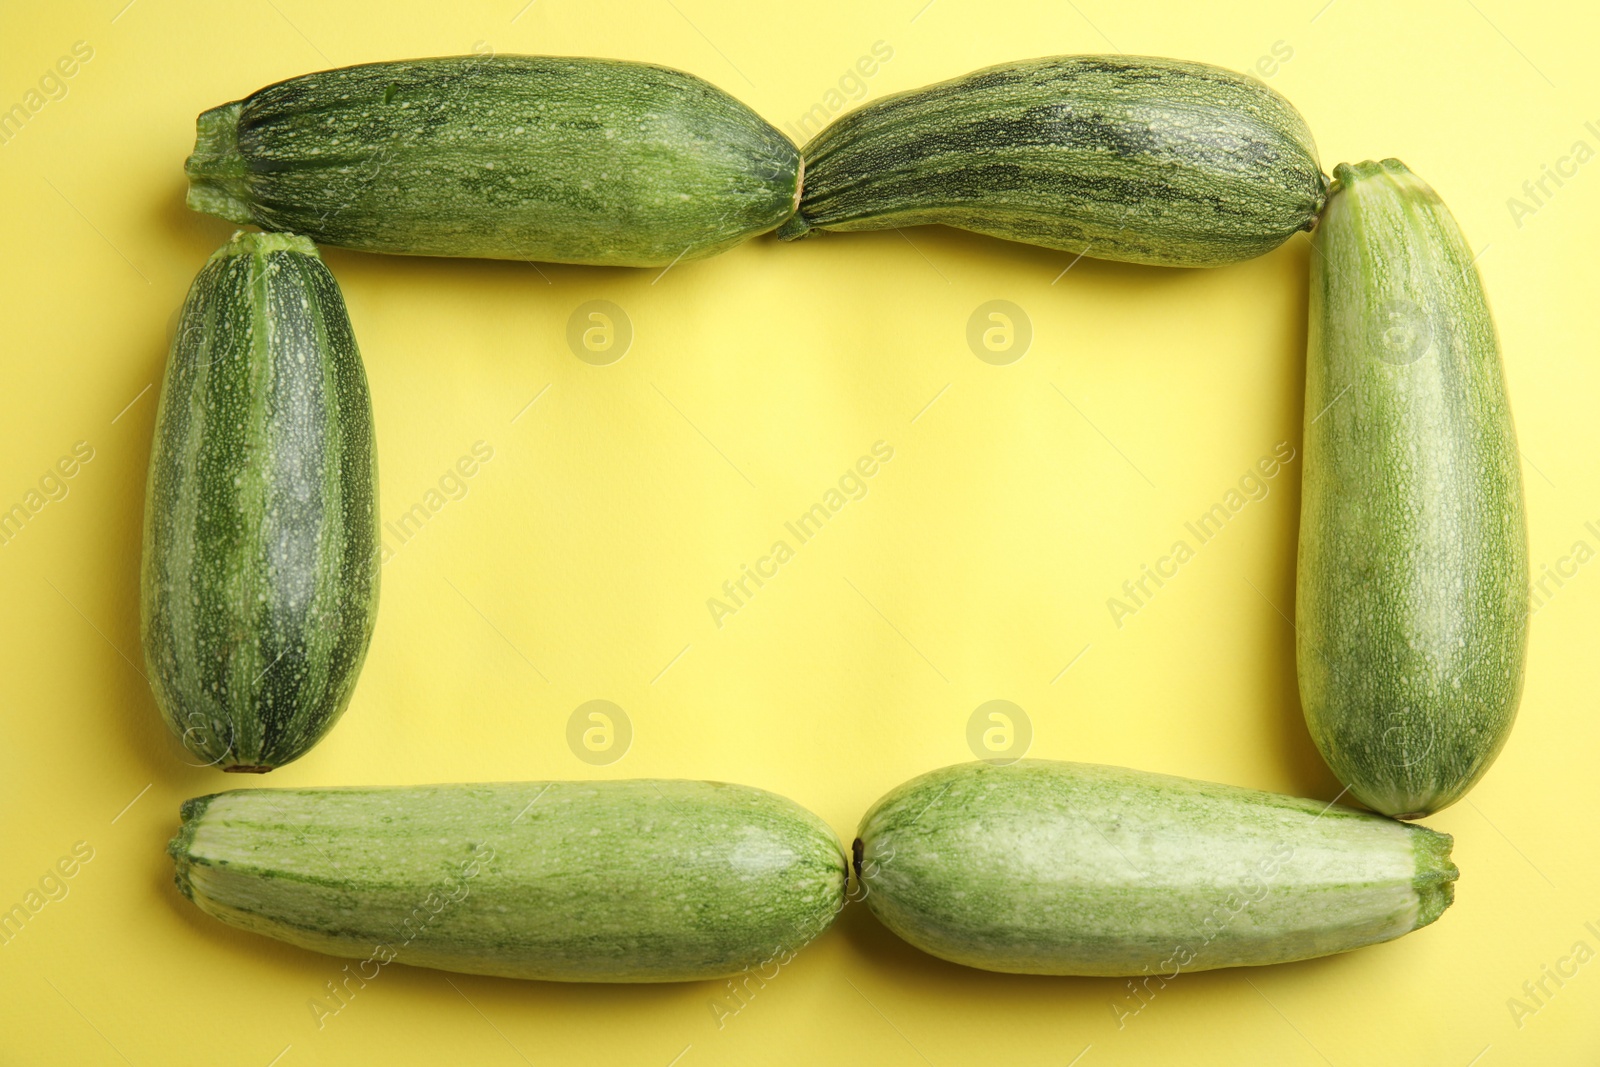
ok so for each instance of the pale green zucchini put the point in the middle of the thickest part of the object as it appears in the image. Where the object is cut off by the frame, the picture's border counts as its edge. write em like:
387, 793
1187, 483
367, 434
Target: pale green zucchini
620, 881
559, 159
1042, 867
1115, 157
1412, 600
259, 582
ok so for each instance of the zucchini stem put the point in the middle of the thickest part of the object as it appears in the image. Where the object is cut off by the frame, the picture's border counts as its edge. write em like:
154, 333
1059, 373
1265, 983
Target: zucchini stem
218, 175
1435, 880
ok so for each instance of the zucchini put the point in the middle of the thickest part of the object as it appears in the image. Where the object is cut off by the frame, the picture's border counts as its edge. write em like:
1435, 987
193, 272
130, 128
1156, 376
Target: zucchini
1115, 157
621, 881
260, 571
1043, 867
547, 158
1412, 597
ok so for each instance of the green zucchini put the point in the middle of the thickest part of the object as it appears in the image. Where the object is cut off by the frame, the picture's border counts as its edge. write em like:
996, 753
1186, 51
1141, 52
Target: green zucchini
260, 572
547, 158
1412, 599
1114, 157
1043, 867
620, 881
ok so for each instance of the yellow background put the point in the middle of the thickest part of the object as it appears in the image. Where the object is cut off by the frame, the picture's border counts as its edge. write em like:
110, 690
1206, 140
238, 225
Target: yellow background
977, 568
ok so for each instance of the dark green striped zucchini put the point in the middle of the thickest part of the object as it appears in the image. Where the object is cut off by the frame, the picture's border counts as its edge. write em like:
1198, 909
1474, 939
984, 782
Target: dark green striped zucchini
558, 159
260, 570
621, 881
1413, 576
1115, 157
1043, 867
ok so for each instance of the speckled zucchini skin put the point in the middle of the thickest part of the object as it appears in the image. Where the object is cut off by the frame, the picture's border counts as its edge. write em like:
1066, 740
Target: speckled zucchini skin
621, 881
559, 159
1412, 599
1042, 867
1116, 157
260, 572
